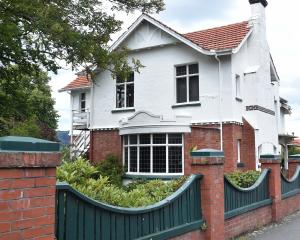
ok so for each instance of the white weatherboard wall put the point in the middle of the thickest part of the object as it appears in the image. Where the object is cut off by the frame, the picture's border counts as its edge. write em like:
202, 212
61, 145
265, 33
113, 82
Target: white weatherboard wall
75, 99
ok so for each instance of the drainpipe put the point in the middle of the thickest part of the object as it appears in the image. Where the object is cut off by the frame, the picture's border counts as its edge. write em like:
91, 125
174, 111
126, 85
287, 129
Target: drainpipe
220, 101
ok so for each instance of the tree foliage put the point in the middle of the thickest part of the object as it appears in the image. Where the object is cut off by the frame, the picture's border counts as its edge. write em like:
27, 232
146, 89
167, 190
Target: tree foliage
39, 33
26, 106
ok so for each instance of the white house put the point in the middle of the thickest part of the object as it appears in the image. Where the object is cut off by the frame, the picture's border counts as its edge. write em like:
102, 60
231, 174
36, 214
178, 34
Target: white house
192, 86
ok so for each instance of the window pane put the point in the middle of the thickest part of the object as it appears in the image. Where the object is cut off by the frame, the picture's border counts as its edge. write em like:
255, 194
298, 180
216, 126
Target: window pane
120, 96
159, 159
133, 139
181, 90
159, 138
145, 139
125, 139
145, 159
82, 106
181, 70
130, 95
82, 96
133, 159
194, 88
126, 159
119, 79
175, 138
130, 78
193, 69
175, 159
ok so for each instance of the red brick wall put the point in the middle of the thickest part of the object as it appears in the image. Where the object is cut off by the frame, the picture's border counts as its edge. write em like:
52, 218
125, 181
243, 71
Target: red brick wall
248, 146
104, 143
27, 196
110, 142
247, 222
195, 235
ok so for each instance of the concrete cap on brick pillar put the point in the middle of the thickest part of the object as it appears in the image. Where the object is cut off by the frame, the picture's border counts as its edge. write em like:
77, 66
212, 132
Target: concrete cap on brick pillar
270, 158
294, 158
207, 157
28, 152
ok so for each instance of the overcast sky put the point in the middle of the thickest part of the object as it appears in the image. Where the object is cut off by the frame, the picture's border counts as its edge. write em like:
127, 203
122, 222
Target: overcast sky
190, 15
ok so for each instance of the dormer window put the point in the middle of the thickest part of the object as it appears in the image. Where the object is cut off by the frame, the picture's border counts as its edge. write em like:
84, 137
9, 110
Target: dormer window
187, 83
125, 92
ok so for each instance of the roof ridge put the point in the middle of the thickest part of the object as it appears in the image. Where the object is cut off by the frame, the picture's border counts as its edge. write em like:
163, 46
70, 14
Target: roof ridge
219, 27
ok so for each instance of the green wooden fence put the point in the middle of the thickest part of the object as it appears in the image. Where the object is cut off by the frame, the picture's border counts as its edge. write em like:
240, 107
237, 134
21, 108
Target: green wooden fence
290, 187
81, 218
241, 200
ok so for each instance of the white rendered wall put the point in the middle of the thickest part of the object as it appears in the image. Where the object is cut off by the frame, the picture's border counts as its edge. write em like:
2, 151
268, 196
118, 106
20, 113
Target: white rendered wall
155, 87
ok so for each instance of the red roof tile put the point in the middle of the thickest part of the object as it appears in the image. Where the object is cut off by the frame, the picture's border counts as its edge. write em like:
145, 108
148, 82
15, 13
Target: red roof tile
220, 38
79, 82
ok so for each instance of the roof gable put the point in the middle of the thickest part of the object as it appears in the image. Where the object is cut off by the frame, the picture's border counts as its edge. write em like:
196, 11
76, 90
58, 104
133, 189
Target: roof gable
225, 39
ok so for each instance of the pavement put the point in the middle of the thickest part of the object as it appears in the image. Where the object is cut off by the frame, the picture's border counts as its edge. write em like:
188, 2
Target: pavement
288, 229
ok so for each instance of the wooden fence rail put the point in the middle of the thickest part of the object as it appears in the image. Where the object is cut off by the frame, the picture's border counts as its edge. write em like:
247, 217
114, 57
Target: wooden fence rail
240, 200
81, 218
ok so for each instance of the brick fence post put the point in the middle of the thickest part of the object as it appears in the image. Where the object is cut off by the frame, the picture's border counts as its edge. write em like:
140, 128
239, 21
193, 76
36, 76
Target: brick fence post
210, 163
27, 188
273, 162
294, 162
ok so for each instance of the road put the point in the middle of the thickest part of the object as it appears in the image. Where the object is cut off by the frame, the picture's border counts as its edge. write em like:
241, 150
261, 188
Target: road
288, 229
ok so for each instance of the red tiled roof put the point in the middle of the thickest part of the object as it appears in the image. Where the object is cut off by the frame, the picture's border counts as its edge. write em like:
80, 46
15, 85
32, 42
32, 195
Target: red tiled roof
296, 141
79, 82
220, 38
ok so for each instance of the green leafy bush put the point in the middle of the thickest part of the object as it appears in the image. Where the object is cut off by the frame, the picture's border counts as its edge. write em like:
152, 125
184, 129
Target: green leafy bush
243, 179
88, 180
111, 167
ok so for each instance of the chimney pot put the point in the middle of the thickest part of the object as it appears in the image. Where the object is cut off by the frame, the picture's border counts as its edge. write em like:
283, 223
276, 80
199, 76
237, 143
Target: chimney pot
263, 2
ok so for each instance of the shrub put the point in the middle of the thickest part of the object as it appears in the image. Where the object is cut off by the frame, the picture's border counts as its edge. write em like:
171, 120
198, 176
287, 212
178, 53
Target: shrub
243, 179
87, 179
111, 167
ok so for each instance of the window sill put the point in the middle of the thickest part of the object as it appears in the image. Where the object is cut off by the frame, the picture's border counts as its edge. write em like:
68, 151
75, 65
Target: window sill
145, 176
119, 110
239, 99
189, 104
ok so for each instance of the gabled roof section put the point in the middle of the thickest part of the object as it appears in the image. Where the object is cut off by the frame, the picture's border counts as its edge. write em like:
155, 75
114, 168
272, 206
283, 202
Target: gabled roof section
220, 38
81, 82
225, 39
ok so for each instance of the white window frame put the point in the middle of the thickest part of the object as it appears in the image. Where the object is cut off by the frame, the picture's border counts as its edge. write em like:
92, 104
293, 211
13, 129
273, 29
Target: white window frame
151, 145
239, 151
81, 101
238, 86
187, 76
125, 84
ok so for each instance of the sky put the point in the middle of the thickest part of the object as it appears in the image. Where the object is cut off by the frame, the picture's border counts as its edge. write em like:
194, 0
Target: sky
191, 15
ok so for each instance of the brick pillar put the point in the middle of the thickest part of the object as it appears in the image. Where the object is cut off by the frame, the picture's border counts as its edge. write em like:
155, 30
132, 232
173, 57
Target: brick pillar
210, 163
273, 162
294, 162
27, 188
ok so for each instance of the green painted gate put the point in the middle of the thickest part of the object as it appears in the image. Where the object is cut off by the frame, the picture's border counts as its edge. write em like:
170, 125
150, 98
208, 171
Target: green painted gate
81, 218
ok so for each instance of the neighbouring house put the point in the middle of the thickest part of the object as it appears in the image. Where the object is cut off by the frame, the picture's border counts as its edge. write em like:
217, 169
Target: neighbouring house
215, 88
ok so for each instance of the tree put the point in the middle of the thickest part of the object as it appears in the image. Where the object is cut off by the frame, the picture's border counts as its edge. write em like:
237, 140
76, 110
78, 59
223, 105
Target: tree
39, 33
26, 106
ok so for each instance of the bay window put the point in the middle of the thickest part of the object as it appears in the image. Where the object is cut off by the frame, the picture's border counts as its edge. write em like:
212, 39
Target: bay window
159, 153
187, 83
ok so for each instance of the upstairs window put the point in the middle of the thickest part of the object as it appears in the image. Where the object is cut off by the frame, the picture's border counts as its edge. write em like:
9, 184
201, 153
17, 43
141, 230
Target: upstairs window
82, 102
238, 87
125, 92
187, 83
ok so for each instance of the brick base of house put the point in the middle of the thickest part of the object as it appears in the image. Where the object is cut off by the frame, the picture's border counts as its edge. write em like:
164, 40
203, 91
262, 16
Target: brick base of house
104, 142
